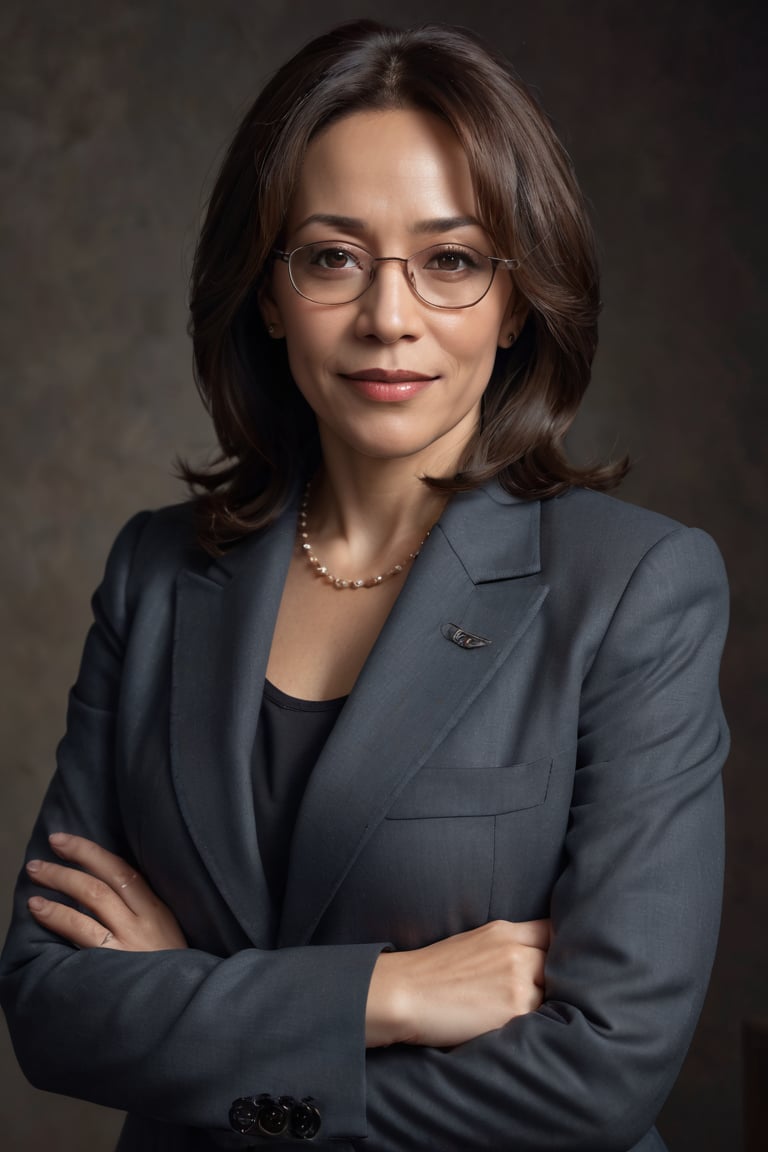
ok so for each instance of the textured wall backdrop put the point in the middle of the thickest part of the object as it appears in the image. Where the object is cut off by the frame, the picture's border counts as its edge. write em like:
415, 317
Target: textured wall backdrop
115, 116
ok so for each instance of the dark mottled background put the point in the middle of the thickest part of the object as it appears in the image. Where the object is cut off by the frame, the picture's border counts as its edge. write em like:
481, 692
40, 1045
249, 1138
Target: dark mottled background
115, 117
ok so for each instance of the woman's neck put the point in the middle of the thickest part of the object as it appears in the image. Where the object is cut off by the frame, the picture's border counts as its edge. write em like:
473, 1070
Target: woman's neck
366, 510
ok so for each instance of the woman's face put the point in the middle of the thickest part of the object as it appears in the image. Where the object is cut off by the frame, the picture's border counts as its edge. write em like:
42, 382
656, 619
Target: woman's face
393, 182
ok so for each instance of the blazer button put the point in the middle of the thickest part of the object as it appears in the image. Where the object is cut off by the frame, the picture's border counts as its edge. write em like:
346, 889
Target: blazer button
243, 1114
305, 1119
273, 1115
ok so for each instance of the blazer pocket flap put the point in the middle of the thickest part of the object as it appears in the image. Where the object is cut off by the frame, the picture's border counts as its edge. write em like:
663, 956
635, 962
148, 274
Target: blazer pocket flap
435, 792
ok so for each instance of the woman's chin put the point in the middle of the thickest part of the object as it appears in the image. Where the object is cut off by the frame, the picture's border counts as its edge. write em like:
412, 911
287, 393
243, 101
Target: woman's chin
437, 452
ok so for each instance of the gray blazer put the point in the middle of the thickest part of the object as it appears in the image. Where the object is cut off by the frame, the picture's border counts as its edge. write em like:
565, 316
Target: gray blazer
565, 764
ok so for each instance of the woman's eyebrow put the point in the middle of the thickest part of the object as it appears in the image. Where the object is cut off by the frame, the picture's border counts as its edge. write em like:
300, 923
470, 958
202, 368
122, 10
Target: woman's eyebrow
345, 223
445, 224
355, 224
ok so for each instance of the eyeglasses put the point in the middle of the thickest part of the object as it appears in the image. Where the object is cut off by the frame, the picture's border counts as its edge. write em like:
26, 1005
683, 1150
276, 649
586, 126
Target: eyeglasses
443, 275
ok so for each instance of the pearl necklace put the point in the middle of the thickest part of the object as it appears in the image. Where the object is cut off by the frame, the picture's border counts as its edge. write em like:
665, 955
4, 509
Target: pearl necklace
320, 569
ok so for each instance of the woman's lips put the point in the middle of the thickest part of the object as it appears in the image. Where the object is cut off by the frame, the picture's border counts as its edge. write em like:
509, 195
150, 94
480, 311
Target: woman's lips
388, 385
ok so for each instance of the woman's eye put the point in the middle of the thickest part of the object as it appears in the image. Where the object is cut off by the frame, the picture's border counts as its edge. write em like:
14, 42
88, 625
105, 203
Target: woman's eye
451, 260
334, 259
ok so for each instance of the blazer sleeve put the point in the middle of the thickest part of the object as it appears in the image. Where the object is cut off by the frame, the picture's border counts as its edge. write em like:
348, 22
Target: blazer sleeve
175, 1035
635, 910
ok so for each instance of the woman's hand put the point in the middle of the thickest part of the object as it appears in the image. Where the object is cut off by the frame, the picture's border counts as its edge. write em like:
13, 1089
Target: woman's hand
126, 914
458, 988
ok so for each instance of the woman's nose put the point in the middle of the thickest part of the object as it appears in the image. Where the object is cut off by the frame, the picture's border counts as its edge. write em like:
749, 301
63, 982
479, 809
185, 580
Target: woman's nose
389, 310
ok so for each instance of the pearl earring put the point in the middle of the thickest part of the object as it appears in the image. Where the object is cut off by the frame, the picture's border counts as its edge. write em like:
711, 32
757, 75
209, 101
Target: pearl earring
270, 329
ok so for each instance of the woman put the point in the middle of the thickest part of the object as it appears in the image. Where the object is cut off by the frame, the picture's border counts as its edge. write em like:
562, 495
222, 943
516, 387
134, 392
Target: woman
389, 804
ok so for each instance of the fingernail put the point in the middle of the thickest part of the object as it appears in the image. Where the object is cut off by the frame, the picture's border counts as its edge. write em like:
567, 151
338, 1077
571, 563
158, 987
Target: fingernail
34, 865
37, 904
58, 839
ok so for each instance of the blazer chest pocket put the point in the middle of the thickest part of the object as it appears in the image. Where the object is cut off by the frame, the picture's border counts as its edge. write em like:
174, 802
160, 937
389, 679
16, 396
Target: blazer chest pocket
436, 792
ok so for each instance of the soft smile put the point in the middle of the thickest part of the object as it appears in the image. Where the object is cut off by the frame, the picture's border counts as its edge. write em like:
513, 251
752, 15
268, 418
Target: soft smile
388, 385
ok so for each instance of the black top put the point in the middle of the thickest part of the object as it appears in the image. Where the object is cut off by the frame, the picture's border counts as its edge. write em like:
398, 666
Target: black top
289, 738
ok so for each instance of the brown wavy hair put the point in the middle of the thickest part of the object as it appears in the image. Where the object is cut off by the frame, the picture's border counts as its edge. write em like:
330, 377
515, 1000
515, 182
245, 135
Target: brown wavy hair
529, 203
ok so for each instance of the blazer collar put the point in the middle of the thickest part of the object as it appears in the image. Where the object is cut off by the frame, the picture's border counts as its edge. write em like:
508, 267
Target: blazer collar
415, 686
491, 541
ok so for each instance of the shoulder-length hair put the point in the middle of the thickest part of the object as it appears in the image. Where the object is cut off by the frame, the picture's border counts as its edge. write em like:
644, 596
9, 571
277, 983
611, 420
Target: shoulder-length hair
528, 202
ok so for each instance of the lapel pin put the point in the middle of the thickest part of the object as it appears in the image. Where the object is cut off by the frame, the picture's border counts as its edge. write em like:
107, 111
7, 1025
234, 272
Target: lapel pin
464, 639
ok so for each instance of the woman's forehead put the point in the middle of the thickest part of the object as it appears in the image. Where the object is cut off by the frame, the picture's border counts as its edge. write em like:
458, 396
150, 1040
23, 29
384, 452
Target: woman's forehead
402, 168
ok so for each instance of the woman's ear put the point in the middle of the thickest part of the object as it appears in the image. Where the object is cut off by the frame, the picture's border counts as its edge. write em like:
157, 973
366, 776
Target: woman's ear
512, 324
269, 312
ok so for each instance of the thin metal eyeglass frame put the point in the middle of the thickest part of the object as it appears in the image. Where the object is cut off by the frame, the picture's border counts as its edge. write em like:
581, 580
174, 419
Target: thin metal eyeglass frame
511, 265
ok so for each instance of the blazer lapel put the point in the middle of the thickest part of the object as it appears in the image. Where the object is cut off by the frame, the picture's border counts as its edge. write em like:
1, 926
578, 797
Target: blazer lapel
225, 619
419, 679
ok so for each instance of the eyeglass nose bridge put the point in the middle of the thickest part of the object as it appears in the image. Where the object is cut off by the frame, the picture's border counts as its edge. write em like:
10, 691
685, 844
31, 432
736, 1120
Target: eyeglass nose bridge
403, 261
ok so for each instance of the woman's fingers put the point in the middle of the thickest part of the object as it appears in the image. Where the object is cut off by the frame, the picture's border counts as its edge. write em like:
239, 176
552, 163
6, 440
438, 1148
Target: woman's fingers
533, 933
89, 891
127, 915
528, 972
76, 927
110, 869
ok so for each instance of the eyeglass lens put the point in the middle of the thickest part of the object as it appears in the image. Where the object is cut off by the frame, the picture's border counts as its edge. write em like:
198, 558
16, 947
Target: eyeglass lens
446, 275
